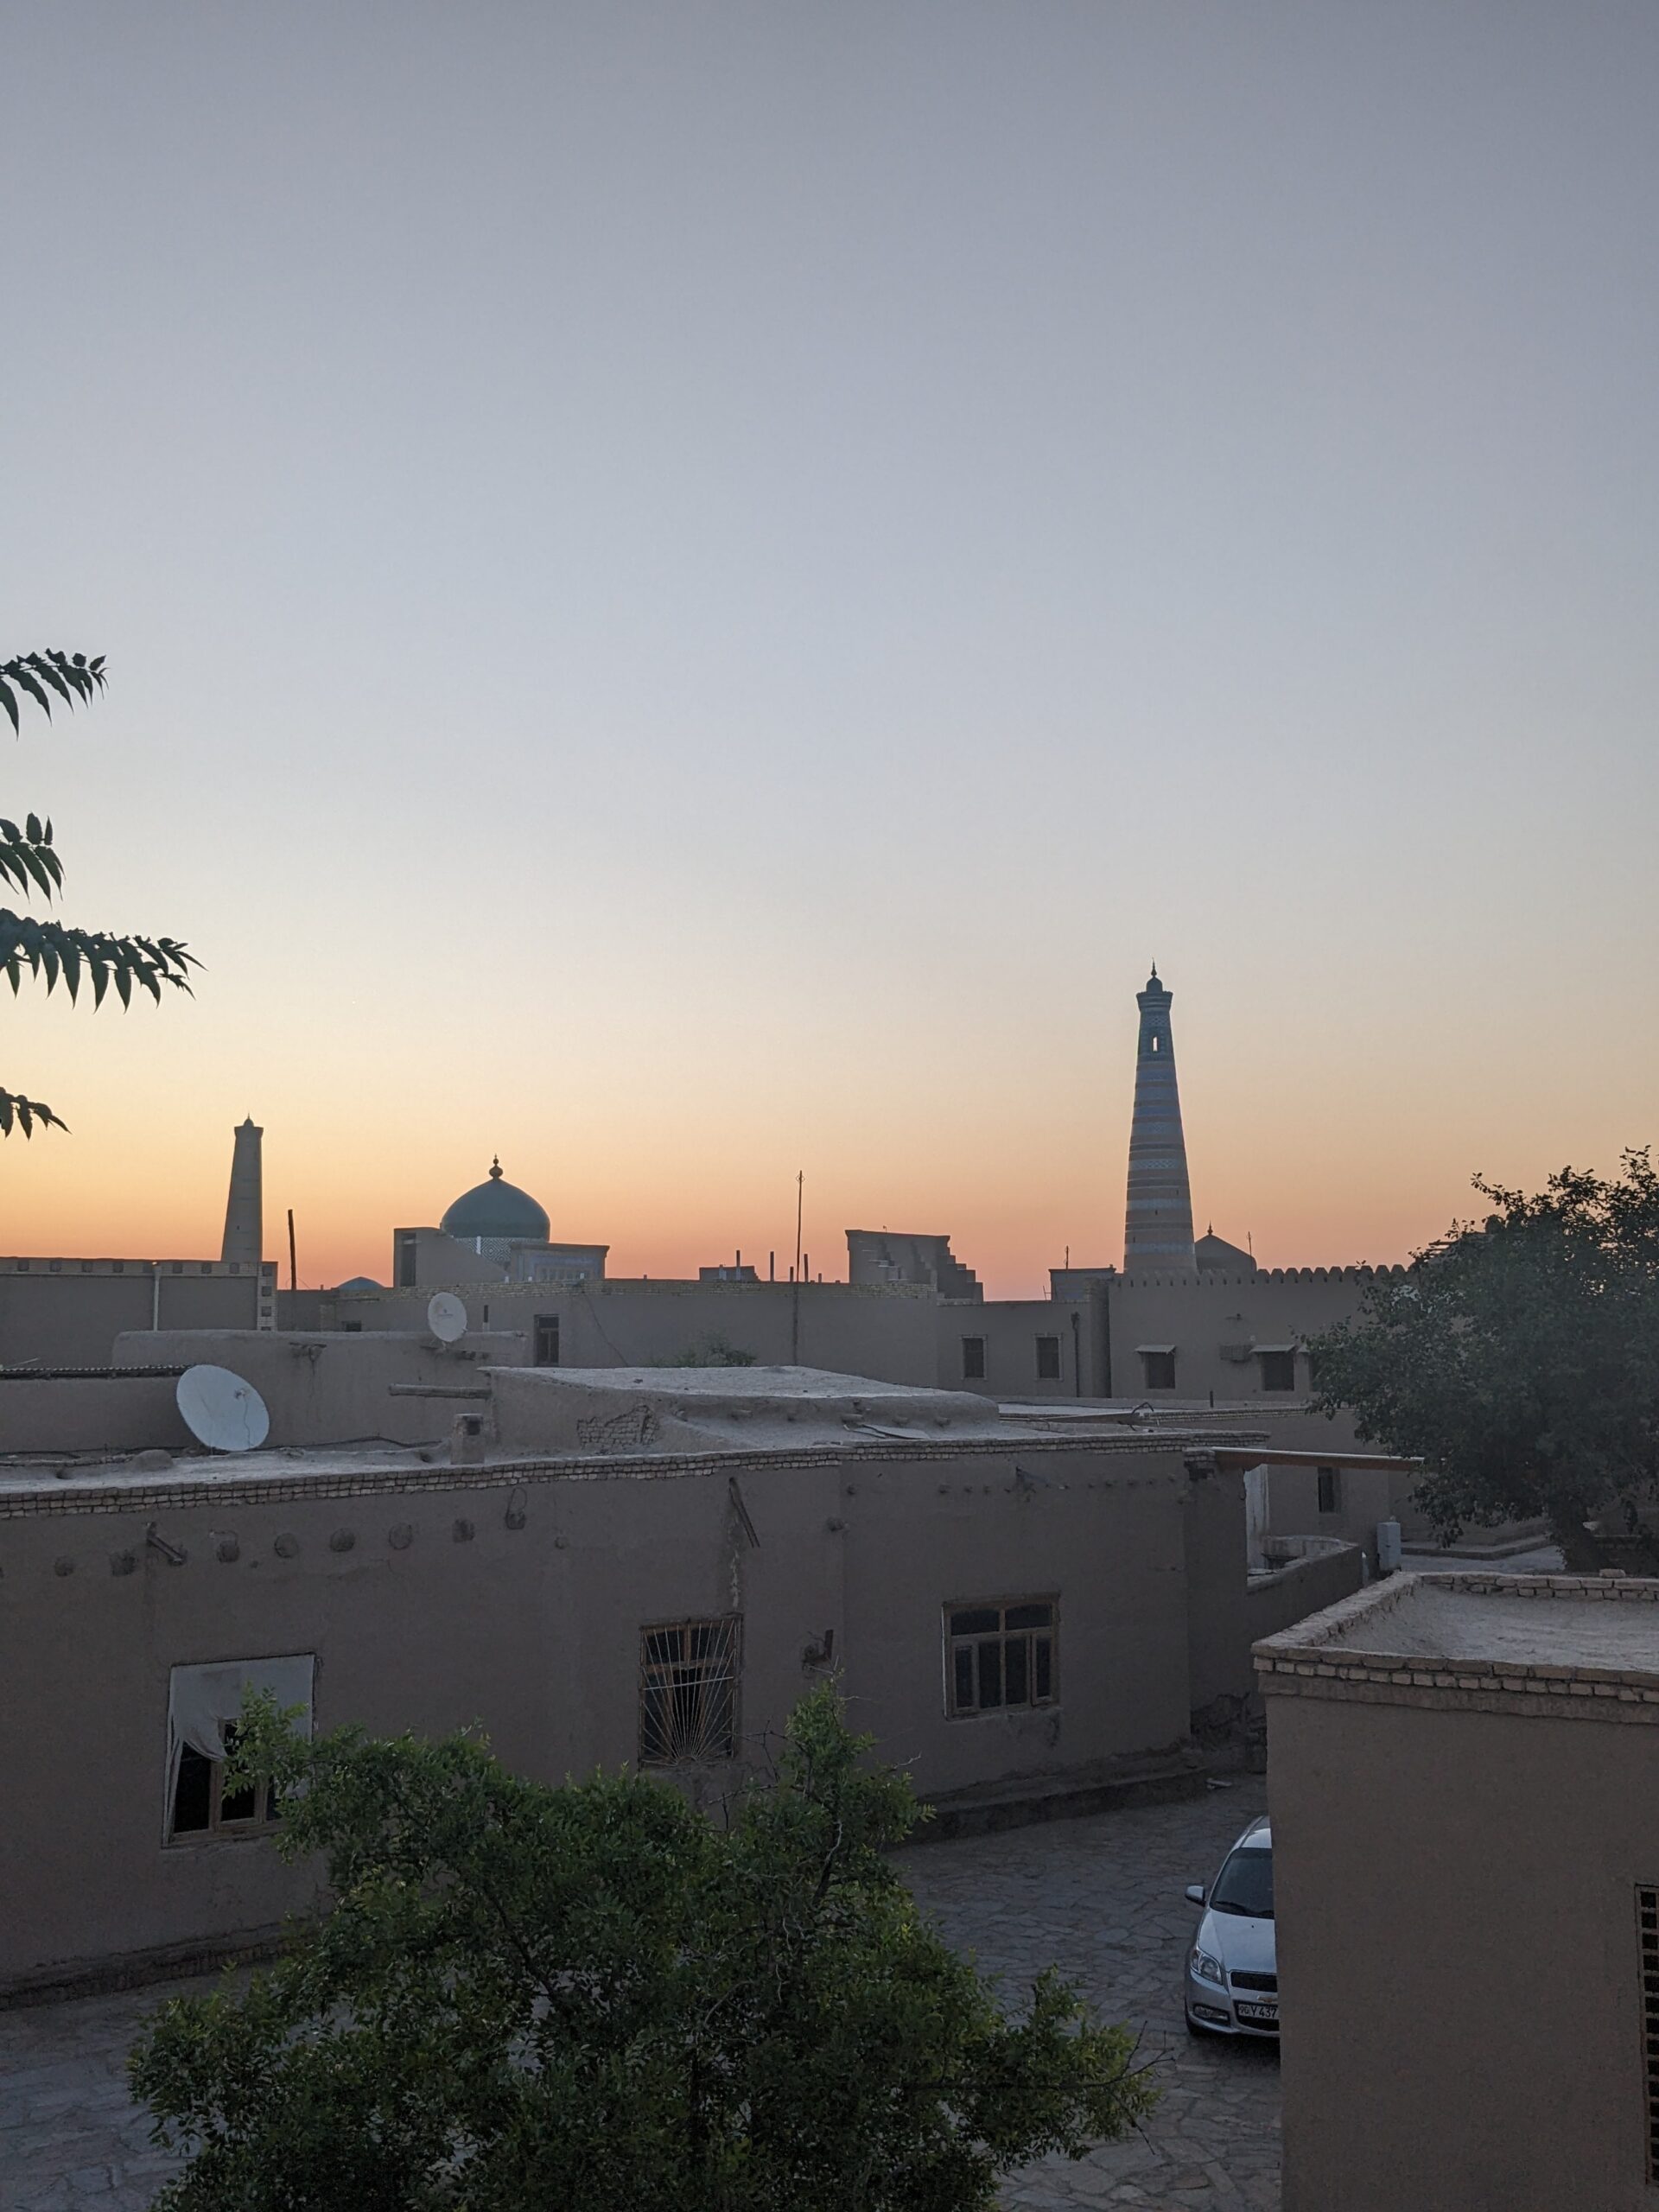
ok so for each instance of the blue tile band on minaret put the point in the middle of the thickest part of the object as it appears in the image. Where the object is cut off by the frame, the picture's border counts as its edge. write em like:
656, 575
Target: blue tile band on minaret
1158, 1228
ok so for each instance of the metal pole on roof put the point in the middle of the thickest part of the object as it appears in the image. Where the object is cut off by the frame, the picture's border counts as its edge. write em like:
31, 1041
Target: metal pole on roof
795, 1295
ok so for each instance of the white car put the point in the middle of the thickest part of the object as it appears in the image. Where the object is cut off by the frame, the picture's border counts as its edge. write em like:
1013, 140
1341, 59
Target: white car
1232, 1970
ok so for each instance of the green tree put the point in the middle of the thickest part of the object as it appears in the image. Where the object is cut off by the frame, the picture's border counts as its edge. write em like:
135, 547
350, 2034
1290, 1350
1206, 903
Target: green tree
595, 1997
1519, 1357
52, 952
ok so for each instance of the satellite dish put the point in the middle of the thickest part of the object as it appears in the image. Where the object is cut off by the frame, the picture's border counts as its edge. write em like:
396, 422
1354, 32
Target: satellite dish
222, 1411
446, 1316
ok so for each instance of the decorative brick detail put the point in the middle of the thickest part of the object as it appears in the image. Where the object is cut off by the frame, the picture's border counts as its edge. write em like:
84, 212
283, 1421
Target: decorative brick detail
95, 1493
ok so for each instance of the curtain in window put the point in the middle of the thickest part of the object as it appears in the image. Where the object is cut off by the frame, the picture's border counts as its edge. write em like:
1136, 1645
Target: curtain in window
200, 1700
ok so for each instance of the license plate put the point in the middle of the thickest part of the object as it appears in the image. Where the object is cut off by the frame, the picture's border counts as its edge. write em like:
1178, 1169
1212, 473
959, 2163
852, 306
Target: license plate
1265, 2015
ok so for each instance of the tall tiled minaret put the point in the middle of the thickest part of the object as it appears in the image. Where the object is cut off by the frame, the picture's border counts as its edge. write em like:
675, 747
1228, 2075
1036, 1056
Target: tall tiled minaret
245, 1210
1158, 1227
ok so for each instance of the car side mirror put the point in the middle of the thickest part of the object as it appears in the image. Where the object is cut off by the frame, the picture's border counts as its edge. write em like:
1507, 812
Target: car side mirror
1195, 1893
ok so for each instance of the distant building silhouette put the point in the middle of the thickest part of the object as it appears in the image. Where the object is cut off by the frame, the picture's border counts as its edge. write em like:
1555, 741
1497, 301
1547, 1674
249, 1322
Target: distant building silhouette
1158, 1223
245, 1213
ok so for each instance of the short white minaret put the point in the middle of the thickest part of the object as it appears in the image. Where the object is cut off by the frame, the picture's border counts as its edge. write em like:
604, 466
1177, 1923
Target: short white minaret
1158, 1224
245, 1210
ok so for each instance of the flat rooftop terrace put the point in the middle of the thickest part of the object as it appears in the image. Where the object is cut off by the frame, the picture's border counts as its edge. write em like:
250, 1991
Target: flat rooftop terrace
1511, 1632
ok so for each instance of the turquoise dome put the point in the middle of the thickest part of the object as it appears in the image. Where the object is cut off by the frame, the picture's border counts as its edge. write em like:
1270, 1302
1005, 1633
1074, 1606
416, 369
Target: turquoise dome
496, 1208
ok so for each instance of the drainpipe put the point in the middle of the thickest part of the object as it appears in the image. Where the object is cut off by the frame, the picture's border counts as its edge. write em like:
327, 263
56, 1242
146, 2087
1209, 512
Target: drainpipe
155, 1294
1077, 1352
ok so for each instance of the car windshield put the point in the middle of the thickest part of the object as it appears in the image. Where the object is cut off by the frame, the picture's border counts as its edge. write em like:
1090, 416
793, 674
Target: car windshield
1245, 1885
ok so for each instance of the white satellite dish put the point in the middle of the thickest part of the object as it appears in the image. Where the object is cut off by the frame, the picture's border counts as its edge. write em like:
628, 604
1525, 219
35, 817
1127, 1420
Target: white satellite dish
222, 1411
446, 1316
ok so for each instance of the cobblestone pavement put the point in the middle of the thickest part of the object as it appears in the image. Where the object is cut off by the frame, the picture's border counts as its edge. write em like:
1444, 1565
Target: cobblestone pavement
1101, 1898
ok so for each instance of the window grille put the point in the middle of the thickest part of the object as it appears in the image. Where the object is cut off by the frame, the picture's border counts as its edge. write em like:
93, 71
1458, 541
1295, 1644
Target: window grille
972, 1359
1002, 1654
688, 1691
547, 1338
1647, 1922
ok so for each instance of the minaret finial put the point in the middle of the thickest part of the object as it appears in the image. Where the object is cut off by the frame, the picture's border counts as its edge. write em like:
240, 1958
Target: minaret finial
495, 1169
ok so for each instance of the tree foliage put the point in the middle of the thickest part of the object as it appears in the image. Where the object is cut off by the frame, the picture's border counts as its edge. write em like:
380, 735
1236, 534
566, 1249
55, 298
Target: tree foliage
595, 1997
52, 952
1519, 1357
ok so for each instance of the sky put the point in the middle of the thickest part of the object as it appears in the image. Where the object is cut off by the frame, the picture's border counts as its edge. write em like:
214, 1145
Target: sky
693, 591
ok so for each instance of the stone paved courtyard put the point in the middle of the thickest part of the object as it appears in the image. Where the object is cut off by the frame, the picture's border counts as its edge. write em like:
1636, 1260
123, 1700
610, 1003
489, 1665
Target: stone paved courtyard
1101, 1899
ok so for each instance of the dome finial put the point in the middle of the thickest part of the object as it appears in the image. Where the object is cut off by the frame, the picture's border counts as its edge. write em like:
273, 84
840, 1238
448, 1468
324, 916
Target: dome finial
495, 1169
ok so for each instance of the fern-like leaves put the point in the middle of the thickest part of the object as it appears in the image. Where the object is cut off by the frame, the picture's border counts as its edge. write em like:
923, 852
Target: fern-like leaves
27, 1114
37, 675
50, 951
60, 955
29, 861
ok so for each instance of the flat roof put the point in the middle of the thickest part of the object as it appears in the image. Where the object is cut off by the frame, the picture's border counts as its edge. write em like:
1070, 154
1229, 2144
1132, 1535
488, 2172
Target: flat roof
1554, 1635
1433, 1621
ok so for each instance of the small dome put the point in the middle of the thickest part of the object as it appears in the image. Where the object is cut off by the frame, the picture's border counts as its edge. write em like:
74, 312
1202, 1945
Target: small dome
496, 1208
358, 1282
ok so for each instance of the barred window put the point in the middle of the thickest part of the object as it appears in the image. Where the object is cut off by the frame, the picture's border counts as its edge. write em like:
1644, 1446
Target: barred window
688, 1691
972, 1359
998, 1656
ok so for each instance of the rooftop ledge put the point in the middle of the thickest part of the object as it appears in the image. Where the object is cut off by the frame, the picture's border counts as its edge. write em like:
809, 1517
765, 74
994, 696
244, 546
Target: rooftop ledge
1586, 1642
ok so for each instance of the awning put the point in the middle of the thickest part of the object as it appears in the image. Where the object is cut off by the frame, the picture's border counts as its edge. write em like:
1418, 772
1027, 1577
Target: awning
1141, 1348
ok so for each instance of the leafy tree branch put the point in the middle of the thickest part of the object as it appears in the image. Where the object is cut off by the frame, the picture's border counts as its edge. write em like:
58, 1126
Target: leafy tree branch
594, 1997
52, 952
1520, 1359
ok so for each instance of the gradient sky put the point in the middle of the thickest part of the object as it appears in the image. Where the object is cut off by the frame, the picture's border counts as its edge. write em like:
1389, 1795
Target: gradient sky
693, 590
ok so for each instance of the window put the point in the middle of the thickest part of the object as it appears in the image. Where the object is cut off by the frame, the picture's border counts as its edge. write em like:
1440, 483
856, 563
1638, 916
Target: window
1646, 1929
547, 1339
1159, 1360
1278, 1370
1048, 1359
1000, 1656
203, 1703
1330, 1490
688, 1691
972, 1359
352, 1328
407, 1251
204, 1805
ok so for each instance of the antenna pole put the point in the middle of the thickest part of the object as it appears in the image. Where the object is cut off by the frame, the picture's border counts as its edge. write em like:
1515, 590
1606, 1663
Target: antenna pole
293, 1266
795, 1296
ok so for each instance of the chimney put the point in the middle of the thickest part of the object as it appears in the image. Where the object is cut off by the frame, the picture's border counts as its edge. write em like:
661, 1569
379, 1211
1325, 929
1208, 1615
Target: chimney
244, 1217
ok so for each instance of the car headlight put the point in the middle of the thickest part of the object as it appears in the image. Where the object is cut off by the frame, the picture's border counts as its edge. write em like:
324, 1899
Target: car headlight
1208, 1969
